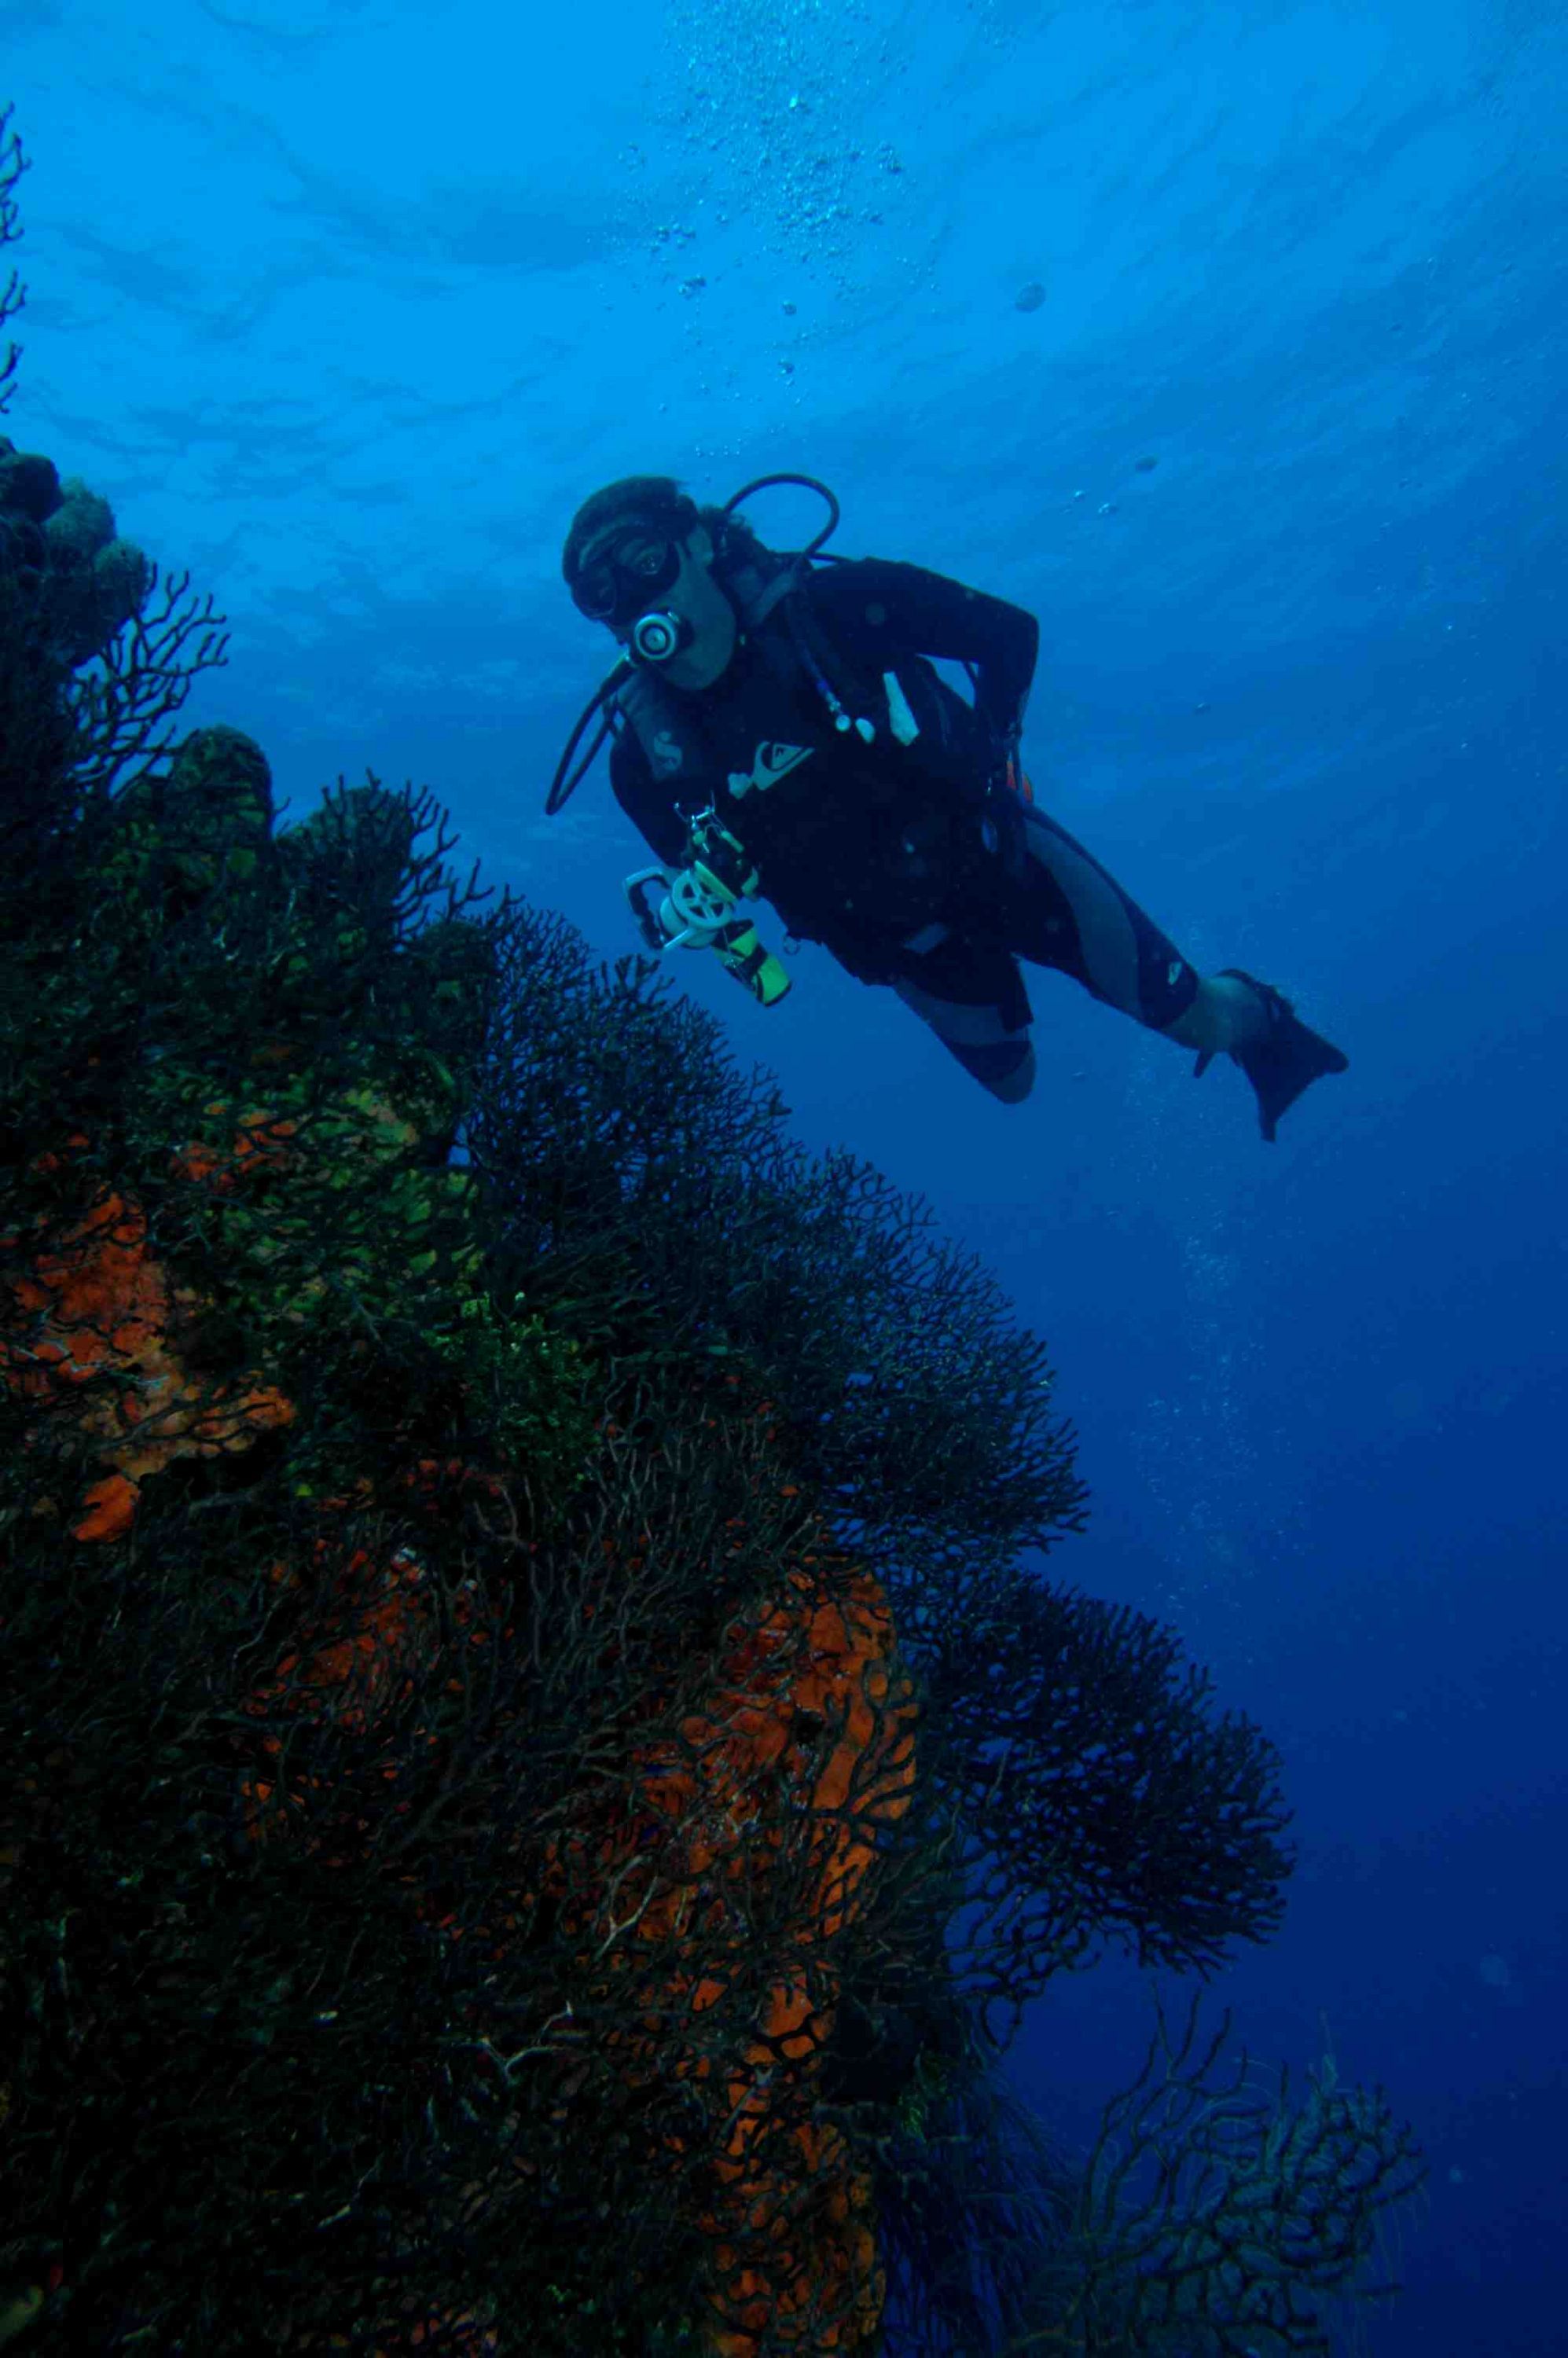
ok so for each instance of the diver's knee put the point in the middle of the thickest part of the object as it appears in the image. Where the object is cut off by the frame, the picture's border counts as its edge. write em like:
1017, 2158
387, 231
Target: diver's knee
1011, 1088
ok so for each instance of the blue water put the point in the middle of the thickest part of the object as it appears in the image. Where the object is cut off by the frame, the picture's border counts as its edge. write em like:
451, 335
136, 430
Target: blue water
345, 307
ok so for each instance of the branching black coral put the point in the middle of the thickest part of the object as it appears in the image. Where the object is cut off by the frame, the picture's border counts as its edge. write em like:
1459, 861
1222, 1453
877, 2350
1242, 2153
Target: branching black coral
97, 653
1220, 2217
1104, 1797
121, 709
13, 294
632, 1159
1220, 2213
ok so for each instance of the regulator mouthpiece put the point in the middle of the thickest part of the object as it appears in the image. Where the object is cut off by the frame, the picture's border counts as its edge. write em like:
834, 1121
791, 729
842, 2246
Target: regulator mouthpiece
656, 637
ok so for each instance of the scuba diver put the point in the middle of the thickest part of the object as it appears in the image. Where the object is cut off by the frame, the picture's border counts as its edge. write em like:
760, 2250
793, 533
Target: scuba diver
779, 730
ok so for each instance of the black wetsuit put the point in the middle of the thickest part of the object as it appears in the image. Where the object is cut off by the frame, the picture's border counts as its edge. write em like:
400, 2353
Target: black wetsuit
895, 855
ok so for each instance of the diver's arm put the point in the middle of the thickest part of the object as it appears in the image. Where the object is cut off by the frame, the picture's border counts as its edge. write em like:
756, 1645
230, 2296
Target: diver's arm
647, 803
881, 606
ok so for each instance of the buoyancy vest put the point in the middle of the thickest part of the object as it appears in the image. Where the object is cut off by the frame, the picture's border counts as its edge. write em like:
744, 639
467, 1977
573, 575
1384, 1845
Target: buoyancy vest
917, 735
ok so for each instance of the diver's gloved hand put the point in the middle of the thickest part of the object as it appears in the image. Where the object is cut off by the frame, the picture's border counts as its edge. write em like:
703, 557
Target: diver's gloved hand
1014, 776
688, 910
646, 911
1283, 1059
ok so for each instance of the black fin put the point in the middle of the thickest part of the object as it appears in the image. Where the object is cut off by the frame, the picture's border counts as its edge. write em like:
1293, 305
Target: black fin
1285, 1059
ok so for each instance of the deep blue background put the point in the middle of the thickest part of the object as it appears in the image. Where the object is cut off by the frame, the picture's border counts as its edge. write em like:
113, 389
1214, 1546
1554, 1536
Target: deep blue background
346, 306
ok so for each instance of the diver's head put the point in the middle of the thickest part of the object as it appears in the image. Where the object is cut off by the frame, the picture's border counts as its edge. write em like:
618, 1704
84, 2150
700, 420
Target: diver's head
639, 559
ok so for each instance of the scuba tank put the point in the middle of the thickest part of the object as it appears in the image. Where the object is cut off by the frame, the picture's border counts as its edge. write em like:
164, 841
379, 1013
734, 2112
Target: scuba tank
696, 909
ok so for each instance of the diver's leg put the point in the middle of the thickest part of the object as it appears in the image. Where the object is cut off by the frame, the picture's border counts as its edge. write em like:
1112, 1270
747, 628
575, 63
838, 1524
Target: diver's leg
975, 1001
1062, 909
1065, 909
1226, 1015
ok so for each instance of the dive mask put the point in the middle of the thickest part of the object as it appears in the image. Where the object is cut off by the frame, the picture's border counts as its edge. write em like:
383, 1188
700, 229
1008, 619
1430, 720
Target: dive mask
616, 583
